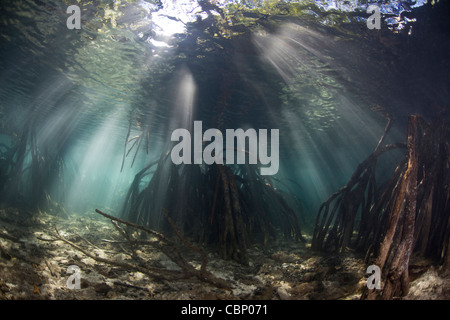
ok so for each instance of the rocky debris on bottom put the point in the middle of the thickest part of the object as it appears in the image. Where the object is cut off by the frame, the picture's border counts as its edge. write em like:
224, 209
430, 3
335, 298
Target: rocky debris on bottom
35, 266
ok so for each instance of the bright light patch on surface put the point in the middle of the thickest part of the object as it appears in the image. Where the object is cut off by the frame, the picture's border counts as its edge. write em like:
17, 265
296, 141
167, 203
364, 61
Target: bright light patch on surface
159, 44
173, 16
166, 26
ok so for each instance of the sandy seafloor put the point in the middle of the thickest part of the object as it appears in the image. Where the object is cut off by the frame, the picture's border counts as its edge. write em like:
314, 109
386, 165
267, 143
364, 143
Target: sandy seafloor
34, 269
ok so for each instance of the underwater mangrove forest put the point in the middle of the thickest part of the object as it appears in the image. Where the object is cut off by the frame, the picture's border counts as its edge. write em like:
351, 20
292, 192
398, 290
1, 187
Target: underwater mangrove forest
205, 149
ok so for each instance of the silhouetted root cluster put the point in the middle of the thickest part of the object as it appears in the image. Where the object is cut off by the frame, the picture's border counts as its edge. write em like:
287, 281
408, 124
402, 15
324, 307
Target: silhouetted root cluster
409, 212
212, 205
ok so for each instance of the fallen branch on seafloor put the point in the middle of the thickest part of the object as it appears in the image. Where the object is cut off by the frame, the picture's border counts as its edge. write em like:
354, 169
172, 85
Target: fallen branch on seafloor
162, 244
170, 250
156, 273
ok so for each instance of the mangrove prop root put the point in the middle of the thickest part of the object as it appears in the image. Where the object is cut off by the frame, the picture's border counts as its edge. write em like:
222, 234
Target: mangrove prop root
397, 272
233, 236
419, 219
344, 204
409, 212
220, 206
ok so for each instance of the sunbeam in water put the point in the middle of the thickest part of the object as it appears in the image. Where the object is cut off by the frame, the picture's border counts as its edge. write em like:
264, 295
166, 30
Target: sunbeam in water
263, 150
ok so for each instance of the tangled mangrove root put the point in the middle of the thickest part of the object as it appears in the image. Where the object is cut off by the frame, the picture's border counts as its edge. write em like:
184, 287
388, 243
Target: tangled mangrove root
212, 205
28, 169
411, 212
358, 195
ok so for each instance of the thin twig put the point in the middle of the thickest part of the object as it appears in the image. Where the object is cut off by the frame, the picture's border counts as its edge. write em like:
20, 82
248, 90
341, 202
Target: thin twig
160, 236
89, 242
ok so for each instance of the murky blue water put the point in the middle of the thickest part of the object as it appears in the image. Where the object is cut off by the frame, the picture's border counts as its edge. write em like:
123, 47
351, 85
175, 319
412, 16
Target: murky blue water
68, 97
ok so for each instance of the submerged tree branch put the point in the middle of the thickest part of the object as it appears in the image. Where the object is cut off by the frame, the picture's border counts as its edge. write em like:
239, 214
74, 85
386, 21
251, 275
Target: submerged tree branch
169, 249
155, 273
